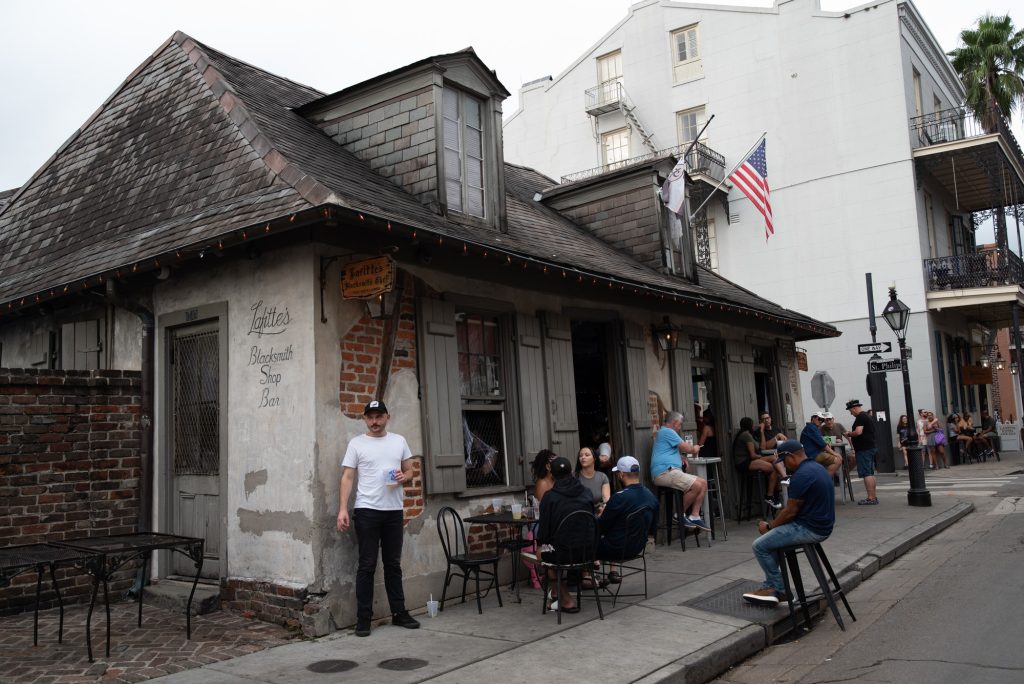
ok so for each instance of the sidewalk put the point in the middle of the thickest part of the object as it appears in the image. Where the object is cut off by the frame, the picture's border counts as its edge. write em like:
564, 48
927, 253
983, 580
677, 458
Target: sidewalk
693, 626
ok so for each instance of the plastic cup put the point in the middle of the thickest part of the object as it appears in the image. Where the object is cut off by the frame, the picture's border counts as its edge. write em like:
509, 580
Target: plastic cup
391, 481
517, 511
497, 504
432, 608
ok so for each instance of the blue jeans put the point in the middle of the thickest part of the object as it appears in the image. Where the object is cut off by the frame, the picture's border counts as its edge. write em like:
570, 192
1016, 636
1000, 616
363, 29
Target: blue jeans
776, 538
866, 462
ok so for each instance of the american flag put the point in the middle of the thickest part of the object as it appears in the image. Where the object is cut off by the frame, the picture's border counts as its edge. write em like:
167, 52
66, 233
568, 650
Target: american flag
751, 177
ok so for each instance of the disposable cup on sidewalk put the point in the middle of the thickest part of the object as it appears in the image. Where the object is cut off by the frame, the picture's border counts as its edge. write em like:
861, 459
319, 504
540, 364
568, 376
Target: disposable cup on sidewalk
517, 511
432, 607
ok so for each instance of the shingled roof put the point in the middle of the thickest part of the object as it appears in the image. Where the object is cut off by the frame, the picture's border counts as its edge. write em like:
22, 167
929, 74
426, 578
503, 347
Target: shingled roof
196, 145
5, 197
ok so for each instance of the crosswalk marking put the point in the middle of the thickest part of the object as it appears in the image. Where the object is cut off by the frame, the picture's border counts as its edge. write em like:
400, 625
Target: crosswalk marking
1011, 504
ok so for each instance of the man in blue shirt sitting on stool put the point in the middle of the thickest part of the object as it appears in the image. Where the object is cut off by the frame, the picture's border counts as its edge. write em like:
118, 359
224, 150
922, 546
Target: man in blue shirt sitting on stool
668, 469
808, 517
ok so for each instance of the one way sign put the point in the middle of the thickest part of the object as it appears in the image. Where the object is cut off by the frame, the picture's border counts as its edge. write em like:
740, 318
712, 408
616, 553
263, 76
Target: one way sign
874, 348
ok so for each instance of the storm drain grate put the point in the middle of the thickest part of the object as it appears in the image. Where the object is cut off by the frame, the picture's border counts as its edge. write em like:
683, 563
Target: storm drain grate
402, 664
728, 600
324, 666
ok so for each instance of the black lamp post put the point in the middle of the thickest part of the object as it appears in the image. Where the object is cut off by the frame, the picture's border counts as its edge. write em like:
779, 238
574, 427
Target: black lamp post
897, 315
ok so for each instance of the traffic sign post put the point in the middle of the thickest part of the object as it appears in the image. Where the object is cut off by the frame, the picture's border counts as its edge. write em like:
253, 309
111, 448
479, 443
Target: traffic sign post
823, 389
874, 348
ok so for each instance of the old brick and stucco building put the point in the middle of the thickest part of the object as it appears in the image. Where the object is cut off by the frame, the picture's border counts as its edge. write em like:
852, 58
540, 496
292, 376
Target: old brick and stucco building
201, 227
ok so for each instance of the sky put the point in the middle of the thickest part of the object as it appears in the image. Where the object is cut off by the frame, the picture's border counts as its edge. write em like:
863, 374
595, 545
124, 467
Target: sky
60, 59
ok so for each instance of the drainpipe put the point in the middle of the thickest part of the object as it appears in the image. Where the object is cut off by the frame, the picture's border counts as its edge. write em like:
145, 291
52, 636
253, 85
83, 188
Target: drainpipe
144, 311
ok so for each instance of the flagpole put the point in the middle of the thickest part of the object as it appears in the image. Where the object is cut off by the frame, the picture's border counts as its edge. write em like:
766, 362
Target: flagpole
724, 178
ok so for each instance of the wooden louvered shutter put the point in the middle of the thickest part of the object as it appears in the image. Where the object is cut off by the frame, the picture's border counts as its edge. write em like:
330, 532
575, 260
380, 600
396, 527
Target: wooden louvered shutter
561, 386
532, 403
445, 466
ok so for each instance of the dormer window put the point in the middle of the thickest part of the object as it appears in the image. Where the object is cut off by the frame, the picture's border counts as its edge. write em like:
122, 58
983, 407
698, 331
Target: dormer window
463, 152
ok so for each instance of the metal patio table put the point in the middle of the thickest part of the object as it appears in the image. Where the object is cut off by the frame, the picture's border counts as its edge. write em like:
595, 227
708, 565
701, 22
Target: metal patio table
105, 555
505, 519
15, 560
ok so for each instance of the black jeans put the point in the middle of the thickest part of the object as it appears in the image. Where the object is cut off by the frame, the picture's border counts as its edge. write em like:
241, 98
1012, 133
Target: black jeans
378, 529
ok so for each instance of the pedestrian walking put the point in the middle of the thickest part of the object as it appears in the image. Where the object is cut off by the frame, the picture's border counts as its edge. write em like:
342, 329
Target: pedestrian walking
383, 462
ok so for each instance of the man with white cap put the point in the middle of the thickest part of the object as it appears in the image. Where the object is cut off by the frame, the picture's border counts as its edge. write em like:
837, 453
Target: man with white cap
815, 445
809, 516
631, 497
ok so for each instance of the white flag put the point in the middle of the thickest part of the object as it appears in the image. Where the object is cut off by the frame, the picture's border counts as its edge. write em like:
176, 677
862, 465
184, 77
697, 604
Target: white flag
673, 190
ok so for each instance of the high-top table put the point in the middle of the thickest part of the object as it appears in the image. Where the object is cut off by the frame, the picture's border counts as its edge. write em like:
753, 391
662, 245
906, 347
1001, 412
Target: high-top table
702, 464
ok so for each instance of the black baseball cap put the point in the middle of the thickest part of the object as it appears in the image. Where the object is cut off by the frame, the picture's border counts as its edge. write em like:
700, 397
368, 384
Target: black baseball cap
561, 467
375, 405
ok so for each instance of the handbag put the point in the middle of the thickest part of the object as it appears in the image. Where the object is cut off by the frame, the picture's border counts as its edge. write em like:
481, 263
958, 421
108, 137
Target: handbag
940, 437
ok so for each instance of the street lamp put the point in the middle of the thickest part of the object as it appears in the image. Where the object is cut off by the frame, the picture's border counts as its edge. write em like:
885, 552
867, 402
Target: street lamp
897, 315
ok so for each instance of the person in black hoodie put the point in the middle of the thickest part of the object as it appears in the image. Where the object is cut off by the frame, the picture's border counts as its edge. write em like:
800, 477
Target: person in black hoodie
567, 496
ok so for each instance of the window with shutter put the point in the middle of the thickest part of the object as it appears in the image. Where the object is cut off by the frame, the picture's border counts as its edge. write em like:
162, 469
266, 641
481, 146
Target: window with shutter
464, 175
686, 57
482, 381
81, 345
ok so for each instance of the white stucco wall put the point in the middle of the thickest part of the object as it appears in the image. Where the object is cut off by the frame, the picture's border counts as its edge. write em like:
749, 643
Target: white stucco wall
835, 95
271, 303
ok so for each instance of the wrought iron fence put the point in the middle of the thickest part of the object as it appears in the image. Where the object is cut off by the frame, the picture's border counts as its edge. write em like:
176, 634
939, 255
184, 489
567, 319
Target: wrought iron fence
701, 159
984, 268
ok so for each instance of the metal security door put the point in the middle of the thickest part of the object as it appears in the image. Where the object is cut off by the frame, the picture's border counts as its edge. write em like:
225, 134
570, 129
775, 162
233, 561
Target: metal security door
195, 442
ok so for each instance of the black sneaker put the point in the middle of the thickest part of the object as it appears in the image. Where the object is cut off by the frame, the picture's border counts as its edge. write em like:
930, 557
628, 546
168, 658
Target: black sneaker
773, 501
403, 619
363, 628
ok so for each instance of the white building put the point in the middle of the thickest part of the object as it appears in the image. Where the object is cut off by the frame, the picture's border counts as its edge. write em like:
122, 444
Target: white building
872, 166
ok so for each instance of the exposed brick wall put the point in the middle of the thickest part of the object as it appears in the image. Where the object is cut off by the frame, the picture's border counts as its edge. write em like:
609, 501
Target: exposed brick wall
397, 139
69, 467
265, 601
361, 352
627, 221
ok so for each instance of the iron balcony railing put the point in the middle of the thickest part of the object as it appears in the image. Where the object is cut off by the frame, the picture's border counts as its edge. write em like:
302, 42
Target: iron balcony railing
959, 123
701, 160
604, 97
983, 268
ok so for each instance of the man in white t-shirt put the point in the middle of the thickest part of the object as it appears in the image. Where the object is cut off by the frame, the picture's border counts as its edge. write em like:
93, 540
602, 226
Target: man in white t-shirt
383, 463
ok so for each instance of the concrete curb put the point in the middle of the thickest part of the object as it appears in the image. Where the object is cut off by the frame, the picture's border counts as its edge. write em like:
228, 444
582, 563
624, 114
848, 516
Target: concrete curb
711, 661
706, 663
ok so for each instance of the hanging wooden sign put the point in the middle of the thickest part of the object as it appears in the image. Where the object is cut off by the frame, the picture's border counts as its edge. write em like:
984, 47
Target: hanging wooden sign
976, 375
801, 360
367, 278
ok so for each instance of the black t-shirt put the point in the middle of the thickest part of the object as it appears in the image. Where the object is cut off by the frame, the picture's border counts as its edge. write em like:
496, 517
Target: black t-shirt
866, 439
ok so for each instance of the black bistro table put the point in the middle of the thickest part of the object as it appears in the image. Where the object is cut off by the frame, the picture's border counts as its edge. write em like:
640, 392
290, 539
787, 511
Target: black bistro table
104, 555
515, 543
15, 560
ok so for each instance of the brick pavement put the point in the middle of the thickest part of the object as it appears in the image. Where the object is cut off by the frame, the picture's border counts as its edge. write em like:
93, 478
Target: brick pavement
158, 648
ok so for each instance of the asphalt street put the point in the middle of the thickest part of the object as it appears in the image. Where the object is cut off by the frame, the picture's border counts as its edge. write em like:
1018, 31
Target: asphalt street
948, 611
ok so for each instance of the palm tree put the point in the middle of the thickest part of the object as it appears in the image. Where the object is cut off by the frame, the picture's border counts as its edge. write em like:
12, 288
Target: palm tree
990, 63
